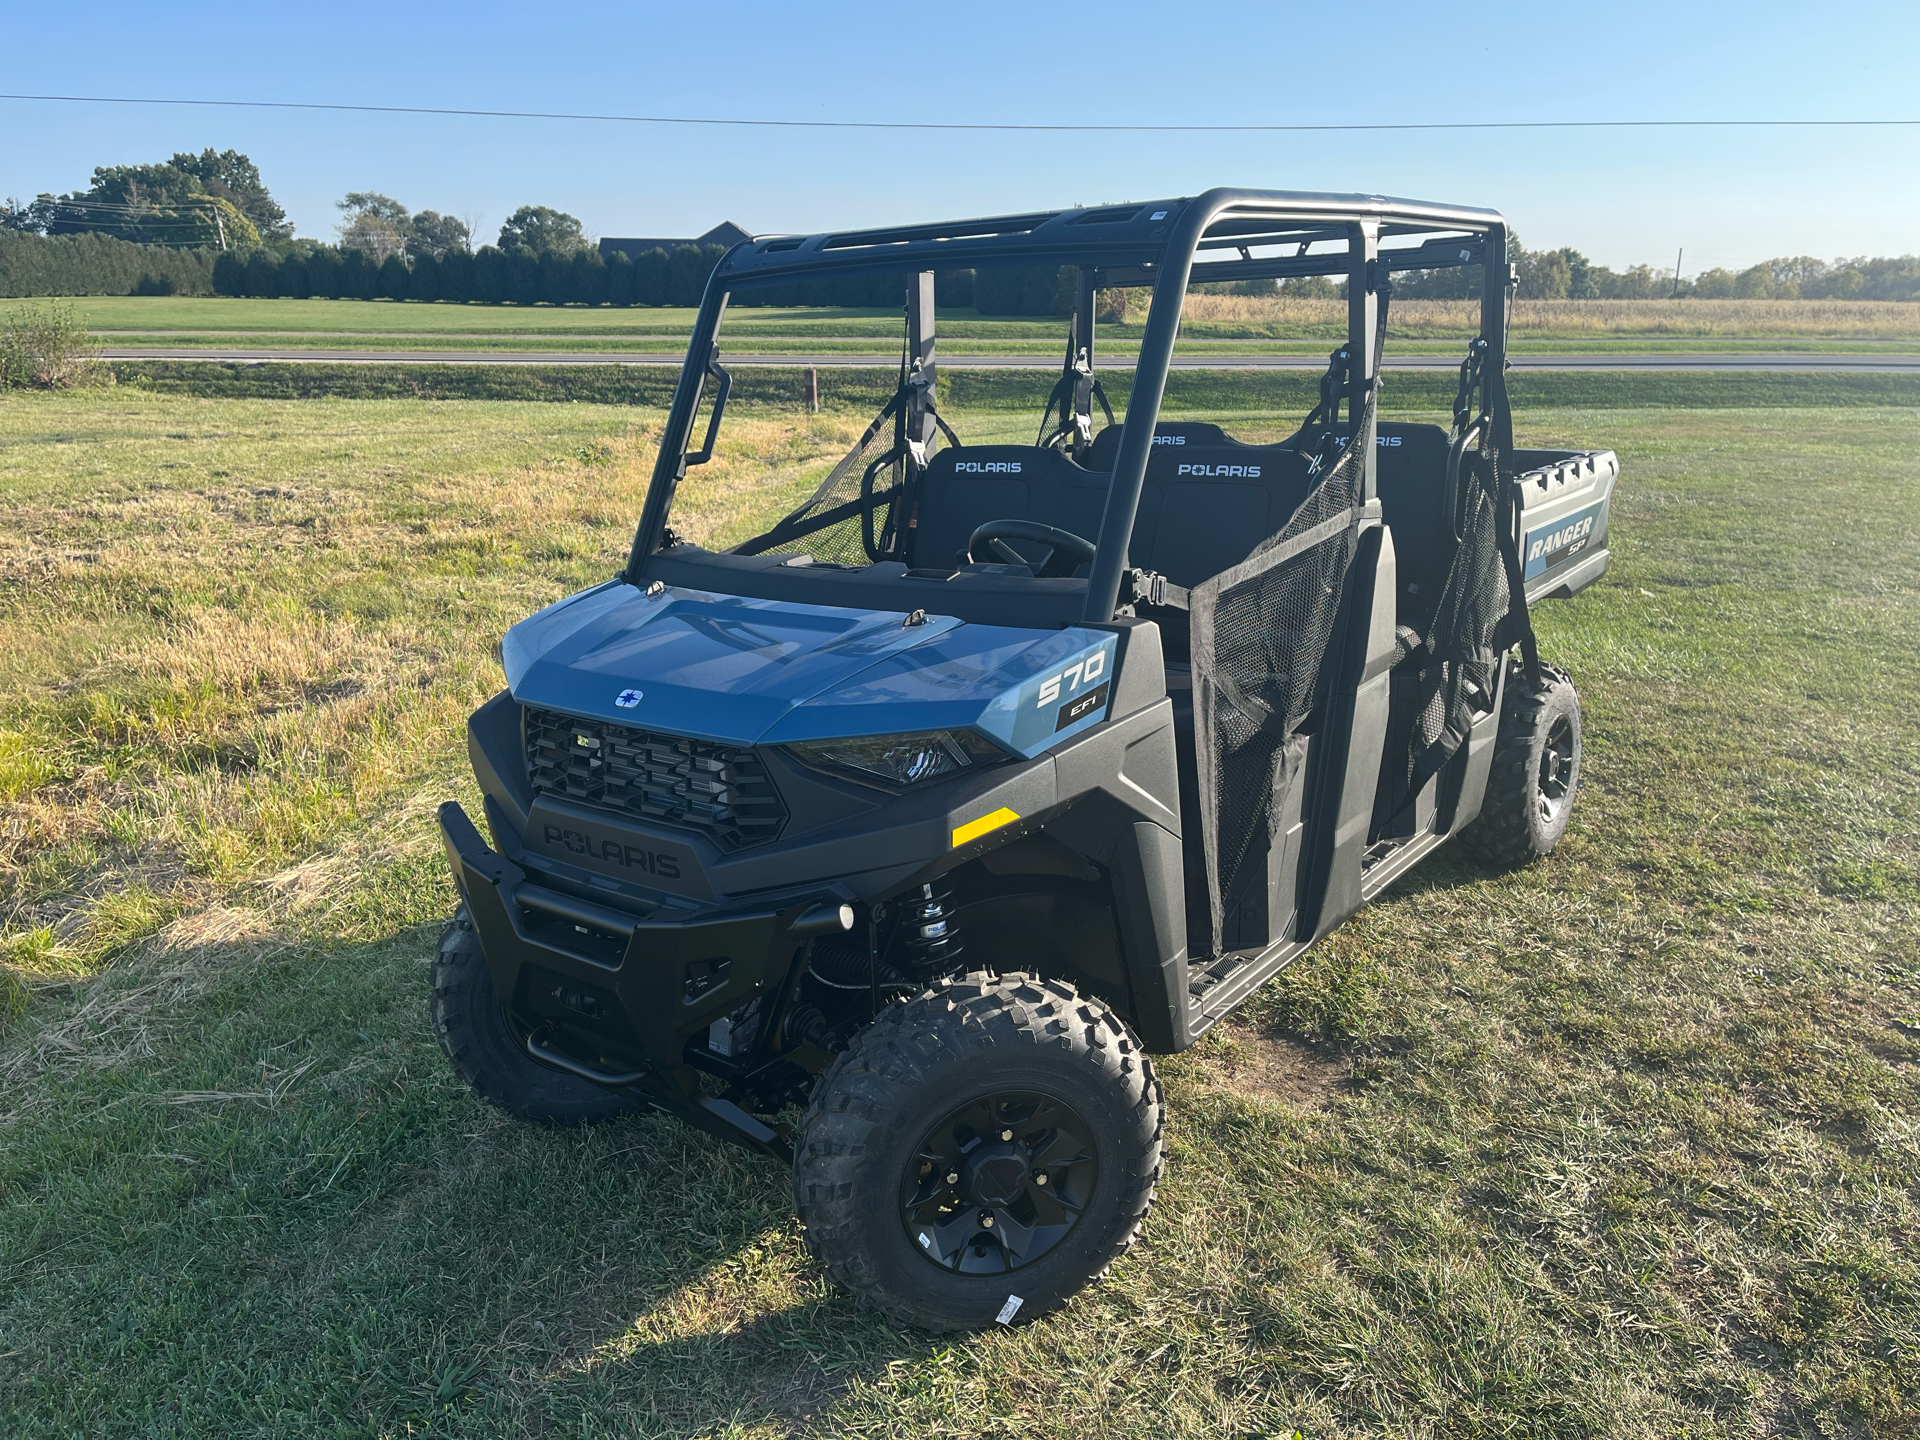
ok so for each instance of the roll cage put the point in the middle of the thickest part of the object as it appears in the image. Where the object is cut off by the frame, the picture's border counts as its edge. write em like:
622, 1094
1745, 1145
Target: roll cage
1221, 235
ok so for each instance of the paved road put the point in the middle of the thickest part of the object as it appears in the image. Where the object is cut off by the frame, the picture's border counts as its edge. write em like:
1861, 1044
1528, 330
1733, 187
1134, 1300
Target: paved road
1869, 364
668, 337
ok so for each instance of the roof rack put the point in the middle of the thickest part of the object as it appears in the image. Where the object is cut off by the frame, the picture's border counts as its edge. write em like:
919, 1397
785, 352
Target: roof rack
1125, 243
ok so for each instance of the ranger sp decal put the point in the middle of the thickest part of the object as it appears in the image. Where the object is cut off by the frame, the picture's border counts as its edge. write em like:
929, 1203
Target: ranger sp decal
1558, 542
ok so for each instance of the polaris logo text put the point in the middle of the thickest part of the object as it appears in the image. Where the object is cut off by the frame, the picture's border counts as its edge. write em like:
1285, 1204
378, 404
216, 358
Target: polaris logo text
1221, 472
631, 857
1075, 676
987, 467
1169, 439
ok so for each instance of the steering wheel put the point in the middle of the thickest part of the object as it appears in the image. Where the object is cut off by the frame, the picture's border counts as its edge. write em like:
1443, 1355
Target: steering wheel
1065, 550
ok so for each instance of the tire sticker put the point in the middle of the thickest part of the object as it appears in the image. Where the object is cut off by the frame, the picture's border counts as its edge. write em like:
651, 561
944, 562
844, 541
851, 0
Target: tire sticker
1009, 1310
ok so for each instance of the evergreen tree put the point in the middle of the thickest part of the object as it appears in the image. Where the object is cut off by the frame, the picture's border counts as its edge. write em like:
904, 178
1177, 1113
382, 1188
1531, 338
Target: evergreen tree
456, 276
589, 285
323, 273
492, 276
263, 275
687, 272
292, 280
395, 278
619, 278
359, 276
650, 277
556, 277
230, 274
525, 271
423, 283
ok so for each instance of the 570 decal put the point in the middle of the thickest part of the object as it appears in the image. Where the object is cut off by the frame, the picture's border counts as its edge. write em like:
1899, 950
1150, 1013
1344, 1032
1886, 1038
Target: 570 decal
1075, 677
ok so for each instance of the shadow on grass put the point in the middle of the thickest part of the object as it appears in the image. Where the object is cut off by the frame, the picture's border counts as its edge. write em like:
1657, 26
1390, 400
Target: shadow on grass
243, 1182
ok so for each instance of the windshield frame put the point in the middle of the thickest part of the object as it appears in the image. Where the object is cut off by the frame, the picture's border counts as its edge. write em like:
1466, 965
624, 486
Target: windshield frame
1154, 244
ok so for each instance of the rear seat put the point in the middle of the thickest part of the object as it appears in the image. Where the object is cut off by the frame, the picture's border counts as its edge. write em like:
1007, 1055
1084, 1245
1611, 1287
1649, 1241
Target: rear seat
1411, 483
1207, 504
1208, 501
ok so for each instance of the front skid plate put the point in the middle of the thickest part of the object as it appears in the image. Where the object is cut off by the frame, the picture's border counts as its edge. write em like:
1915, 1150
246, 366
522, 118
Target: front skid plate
670, 979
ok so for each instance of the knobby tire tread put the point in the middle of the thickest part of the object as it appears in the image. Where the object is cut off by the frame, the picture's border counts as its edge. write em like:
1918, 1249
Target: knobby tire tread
480, 1047
1503, 835
947, 1025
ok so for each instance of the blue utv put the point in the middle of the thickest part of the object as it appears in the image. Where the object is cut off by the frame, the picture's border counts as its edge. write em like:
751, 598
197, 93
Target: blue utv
994, 769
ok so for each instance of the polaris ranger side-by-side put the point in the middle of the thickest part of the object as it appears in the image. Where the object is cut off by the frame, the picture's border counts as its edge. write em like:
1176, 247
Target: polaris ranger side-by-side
992, 770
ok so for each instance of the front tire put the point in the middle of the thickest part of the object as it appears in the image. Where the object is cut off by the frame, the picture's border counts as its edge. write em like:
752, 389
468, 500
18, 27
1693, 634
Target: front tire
474, 1032
1535, 775
980, 1152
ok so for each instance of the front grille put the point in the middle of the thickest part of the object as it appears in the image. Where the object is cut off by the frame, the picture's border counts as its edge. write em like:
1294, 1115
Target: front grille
720, 790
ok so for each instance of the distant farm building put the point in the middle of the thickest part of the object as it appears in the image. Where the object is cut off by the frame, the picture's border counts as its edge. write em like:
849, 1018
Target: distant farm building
725, 233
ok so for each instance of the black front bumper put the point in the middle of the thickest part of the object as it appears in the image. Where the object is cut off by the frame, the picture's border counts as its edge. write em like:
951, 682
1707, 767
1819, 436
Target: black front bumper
615, 998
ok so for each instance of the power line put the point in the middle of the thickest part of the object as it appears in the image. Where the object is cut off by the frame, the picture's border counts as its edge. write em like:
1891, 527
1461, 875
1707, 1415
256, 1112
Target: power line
960, 125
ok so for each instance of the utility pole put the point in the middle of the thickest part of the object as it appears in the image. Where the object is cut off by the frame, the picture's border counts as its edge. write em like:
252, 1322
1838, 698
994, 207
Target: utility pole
1679, 255
220, 224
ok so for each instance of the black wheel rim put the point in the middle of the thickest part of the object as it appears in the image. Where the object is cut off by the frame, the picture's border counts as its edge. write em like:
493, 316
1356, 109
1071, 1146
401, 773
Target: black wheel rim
1556, 770
998, 1182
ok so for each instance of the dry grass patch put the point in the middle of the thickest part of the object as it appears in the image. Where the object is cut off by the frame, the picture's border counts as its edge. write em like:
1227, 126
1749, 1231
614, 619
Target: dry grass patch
763, 469
1215, 315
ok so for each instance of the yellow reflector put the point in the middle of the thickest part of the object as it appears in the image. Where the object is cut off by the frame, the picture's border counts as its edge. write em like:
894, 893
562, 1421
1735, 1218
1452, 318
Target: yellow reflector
985, 825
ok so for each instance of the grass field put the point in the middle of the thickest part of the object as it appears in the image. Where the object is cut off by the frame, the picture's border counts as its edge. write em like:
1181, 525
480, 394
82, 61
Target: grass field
1207, 317
1627, 1143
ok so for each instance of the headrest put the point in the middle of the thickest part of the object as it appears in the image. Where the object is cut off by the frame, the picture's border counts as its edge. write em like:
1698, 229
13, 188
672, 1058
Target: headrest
1170, 434
1402, 437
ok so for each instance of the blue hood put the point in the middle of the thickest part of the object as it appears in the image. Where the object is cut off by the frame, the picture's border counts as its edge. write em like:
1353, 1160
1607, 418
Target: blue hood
737, 670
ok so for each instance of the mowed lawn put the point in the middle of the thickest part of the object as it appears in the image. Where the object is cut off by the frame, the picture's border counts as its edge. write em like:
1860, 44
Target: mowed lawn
1627, 1143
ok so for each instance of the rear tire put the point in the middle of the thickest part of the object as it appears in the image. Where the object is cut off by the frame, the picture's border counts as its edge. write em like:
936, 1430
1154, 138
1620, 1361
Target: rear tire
1536, 772
898, 1148
475, 1033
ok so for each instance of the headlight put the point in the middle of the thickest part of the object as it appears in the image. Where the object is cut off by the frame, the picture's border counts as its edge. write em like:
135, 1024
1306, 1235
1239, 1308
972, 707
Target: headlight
901, 760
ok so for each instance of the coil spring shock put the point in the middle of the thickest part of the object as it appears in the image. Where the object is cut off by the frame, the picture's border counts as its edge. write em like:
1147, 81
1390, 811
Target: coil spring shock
929, 936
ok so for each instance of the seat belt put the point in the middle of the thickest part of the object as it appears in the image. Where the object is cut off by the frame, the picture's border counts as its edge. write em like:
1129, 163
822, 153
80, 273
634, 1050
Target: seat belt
1072, 396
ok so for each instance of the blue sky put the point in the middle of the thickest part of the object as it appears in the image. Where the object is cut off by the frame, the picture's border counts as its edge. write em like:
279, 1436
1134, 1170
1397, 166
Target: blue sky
1729, 197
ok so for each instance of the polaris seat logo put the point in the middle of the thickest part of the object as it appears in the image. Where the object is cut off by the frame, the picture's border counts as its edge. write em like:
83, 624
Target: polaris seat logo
987, 467
1221, 472
1169, 439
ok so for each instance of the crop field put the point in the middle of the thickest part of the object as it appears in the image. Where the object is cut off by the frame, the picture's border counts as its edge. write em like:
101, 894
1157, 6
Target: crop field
1625, 1143
1558, 324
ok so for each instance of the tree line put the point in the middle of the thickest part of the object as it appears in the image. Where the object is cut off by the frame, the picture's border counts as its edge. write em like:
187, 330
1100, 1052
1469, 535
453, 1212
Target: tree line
213, 200
206, 224
519, 275
99, 265
1566, 274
